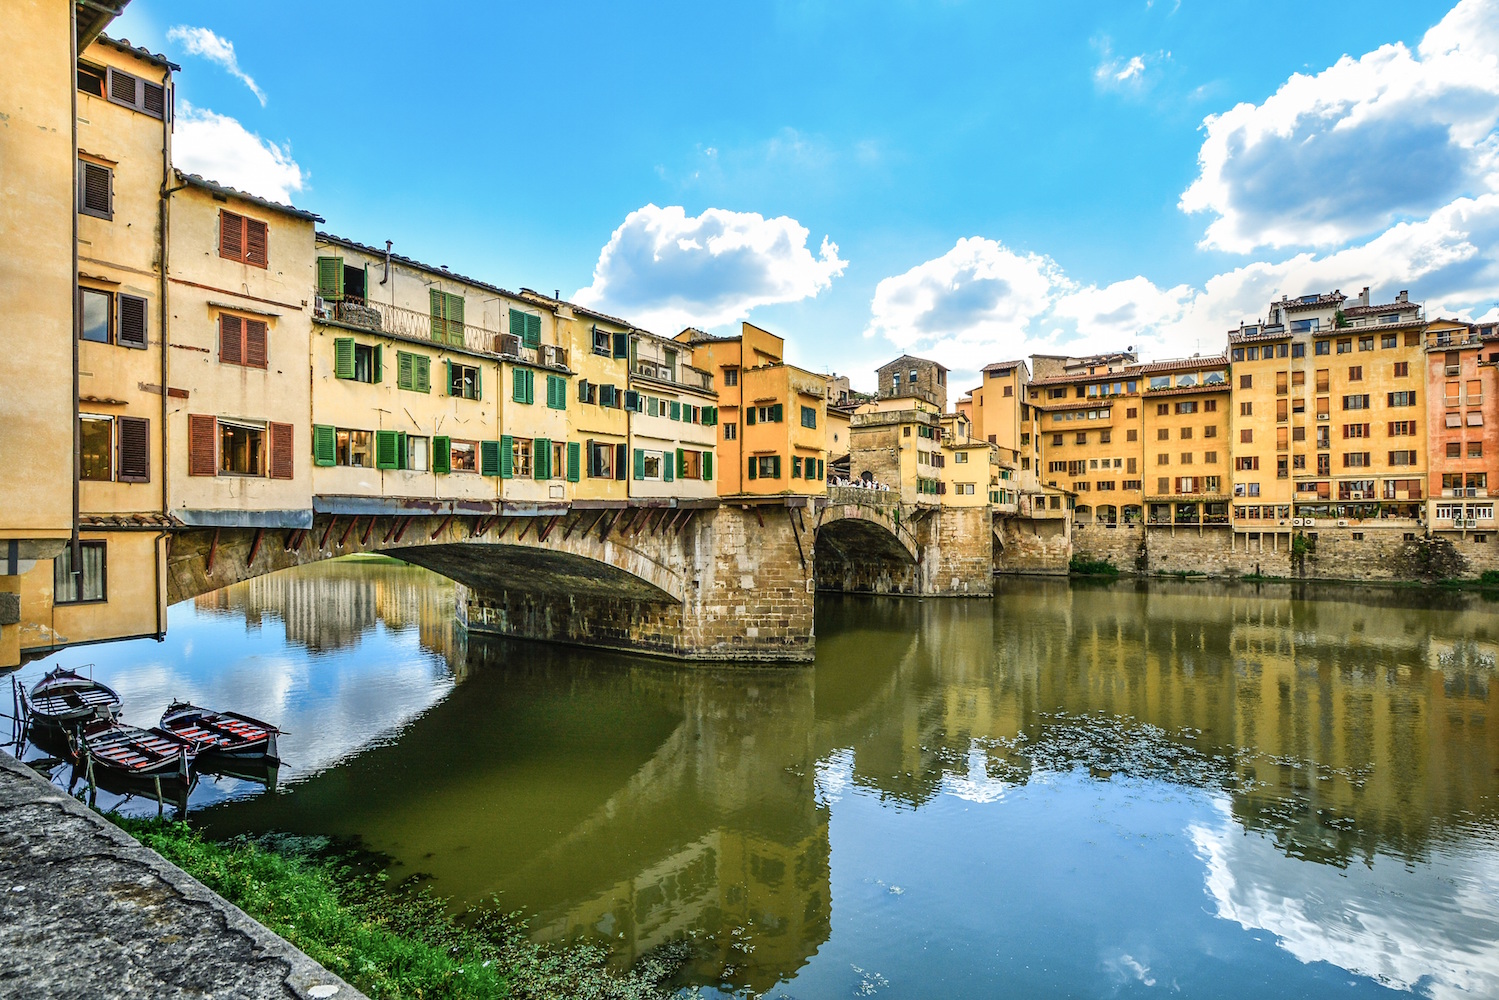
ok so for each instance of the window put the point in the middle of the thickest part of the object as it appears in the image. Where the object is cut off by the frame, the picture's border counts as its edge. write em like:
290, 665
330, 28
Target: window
1247, 463
1402, 428
463, 381
1082, 437
1163, 434
1298, 350
730, 431
1056, 440
526, 328
557, 392
1210, 431
731, 376
690, 465
1210, 406
242, 341
1387, 341
1355, 373
1009, 391
90, 80
463, 456
1252, 354
243, 239
242, 449
1323, 347
1345, 346
1366, 343
766, 414
1324, 465
1104, 437
1356, 460
1190, 406
1475, 418
95, 190
1355, 431
1246, 436
523, 385
87, 584
1409, 457
1357, 402
105, 318
1402, 368
1246, 381
765, 467
601, 342
1237, 355
1454, 449
413, 371
1324, 438
1246, 409
809, 416
912, 377
601, 460
1401, 398
418, 454
138, 94
1162, 459
1186, 458
1162, 409
96, 449
354, 449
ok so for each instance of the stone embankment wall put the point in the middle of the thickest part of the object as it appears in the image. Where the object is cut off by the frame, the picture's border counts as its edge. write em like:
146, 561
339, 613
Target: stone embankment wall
1031, 545
957, 552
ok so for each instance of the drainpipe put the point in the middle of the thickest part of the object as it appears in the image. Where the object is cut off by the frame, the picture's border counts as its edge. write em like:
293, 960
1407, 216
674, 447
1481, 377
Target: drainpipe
73, 280
386, 278
164, 309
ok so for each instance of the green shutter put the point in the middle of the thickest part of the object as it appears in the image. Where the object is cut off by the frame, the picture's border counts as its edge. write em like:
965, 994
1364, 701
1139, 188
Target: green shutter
754, 467
405, 370
507, 456
676, 410
621, 345
385, 449
478, 381
574, 460
710, 416
379, 353
668, 470
639, 463
518, 384
776, 414
330, 278
541, 458
821, 470
400, 447
533, 331
442, 454
438, 304
343, 357
518, 325
749, 416
423, 373
447, 382
530, 386
324, 445
707, 465
455, 320
556, 392
489, 458
775, 467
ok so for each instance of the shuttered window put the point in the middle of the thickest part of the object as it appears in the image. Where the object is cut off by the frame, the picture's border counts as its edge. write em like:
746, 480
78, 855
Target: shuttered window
387, 450
95, 190
202, 445
707, 465
413, 371
283, 443
135, 449
526, 327
489, 458
242, 341
523, 385
541, 458
130, 330
140, 95
324, 445
556, 392
574, 461
330, 279
243, 239
621, 345
446, 311
442, 454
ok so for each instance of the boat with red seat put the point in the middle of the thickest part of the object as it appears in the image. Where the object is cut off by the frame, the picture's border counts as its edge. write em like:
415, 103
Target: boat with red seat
220, 735
66, 699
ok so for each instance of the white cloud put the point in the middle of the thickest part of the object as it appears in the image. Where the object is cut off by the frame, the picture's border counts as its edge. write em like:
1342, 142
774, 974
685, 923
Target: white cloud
665, 269
215, 48
1120, 72
221, 149
1392, 135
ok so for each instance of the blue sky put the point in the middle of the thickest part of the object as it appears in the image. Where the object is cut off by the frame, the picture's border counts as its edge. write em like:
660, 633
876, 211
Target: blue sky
967, 181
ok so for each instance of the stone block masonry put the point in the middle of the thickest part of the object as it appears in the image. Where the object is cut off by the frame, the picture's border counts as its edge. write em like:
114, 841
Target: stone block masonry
89, 914
1040, 545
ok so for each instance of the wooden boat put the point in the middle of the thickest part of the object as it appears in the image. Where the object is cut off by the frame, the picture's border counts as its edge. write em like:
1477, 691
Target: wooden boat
145, 753
67, 699
220, 736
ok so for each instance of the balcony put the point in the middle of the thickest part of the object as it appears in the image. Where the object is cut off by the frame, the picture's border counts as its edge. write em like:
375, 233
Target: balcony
1465, 491
508, 345
407, 324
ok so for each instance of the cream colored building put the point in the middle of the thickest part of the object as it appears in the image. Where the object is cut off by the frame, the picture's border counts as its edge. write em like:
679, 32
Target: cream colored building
673, 409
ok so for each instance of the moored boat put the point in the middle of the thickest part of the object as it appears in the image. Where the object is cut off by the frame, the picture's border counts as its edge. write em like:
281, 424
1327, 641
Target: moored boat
67, 699
146, 753
220, 735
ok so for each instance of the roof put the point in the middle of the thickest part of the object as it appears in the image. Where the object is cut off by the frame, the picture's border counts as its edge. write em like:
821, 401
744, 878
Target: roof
1097, 402
409, 262
1182, 390
531, 293
1388, 307
1004, 366
1274, 331
1319, 301
1184, 364
696, 336
145, 55
906, 359
1130, 372
203, 183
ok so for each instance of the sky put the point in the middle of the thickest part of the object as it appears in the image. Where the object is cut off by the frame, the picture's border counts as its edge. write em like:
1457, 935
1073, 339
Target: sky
964, 181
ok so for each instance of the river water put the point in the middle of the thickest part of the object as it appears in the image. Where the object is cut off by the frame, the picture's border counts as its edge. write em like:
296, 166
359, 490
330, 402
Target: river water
1079, 790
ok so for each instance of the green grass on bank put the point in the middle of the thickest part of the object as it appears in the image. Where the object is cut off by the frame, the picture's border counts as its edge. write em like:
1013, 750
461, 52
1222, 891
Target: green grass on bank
392, 943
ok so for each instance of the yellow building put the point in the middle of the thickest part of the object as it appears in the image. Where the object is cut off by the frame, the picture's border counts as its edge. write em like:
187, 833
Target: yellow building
1186, 444
1328, 416
1002, 414
969, 469
673, 410
1091, 441
773, 416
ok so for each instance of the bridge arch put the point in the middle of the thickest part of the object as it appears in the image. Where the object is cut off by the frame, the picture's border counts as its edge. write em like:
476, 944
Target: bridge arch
863, 544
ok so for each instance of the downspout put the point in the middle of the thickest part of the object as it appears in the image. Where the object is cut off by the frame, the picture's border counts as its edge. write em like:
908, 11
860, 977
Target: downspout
386, 276
165, 312
73, 280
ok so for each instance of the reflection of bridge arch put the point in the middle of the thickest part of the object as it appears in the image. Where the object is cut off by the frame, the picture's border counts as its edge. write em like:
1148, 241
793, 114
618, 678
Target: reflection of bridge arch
632, 554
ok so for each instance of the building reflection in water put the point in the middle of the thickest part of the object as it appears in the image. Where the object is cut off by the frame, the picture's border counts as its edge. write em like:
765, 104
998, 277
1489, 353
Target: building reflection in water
643, 803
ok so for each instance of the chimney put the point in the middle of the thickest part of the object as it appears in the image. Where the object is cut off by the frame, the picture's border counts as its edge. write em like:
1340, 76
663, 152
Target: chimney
1363, 298
1404, 296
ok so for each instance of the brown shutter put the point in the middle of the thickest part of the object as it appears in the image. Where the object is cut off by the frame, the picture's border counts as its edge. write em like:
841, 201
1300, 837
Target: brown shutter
97, 190
154, 99
255, 243
281, 451
255, 343
131, 331
202, 446
135, 450
231, 340
231, 235
124, 88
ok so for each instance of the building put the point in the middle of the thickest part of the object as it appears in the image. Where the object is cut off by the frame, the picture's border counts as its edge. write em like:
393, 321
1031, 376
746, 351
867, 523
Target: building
1002, 414
1185, 425
910, 377
673, 412
1461, 361
1090, 428
772, 416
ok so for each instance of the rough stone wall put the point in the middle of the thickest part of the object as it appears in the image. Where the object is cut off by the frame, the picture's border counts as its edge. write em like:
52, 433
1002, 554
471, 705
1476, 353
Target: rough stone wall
957, 552
1123, 547
1032, 545
1215, 550
583, 620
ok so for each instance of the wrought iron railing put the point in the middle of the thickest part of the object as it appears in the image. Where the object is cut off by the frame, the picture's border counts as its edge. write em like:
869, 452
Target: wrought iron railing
408, 324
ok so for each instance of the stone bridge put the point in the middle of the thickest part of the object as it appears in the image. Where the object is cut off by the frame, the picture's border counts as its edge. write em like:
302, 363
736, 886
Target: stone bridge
707, 580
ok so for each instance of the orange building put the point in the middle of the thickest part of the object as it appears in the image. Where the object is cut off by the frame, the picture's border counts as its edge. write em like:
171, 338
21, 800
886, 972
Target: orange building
1461, 378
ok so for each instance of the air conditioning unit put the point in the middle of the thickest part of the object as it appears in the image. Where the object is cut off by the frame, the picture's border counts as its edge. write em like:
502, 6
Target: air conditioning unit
1297, 522
1309, 522
1342, 522
1282, 522
551, 355
1470, 492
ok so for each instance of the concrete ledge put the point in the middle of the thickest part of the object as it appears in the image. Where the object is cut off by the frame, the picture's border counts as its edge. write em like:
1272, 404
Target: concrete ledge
86, 911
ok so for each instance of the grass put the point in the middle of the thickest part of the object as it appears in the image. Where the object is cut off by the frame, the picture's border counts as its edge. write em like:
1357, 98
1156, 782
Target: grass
1084, 566
391, 942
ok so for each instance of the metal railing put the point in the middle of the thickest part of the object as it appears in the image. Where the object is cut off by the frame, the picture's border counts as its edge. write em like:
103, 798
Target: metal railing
408, 324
